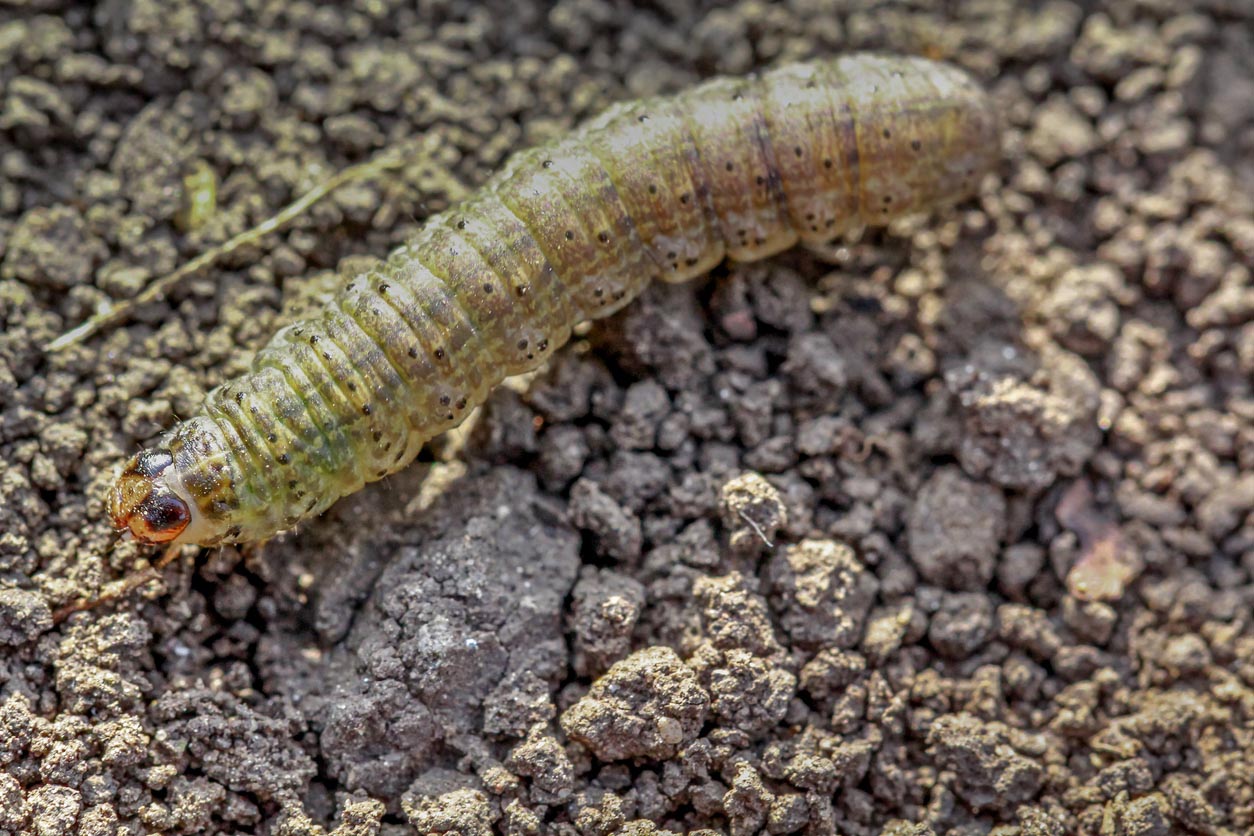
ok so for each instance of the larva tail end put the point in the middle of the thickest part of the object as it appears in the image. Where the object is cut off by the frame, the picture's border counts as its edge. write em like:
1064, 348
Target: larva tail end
144, 503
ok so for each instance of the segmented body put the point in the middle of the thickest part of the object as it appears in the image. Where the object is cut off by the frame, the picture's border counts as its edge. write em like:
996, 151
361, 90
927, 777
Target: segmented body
658, 188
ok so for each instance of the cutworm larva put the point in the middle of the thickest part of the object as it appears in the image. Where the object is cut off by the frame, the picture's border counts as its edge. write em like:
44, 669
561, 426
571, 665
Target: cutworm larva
658, 188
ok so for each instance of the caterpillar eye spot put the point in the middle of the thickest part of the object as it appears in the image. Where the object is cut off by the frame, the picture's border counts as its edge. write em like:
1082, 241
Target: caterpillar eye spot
143, 502
570, 236
284, 458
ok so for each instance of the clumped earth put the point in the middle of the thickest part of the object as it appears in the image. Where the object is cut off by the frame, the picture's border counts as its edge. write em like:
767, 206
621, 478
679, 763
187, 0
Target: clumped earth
949, 529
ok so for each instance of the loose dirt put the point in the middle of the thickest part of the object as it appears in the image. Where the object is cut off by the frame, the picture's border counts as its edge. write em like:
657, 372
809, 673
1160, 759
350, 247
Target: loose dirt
949, 529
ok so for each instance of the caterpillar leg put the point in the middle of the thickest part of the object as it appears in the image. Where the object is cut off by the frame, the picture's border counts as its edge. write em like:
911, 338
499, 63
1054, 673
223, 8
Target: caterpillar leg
119, 588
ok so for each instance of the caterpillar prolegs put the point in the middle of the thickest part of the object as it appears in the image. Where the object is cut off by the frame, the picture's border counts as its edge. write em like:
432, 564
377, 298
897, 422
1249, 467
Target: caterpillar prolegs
657, 188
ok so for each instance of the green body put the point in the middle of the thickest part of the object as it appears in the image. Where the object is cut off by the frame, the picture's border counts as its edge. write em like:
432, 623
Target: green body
660, 188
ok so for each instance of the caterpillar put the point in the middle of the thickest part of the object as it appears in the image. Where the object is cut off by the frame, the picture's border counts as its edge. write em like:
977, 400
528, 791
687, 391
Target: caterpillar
659, 188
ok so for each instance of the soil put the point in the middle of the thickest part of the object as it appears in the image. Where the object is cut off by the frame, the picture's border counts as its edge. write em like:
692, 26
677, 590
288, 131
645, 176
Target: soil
946, 529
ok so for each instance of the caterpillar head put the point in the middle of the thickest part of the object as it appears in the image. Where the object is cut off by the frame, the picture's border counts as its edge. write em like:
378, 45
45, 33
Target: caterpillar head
147, 502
